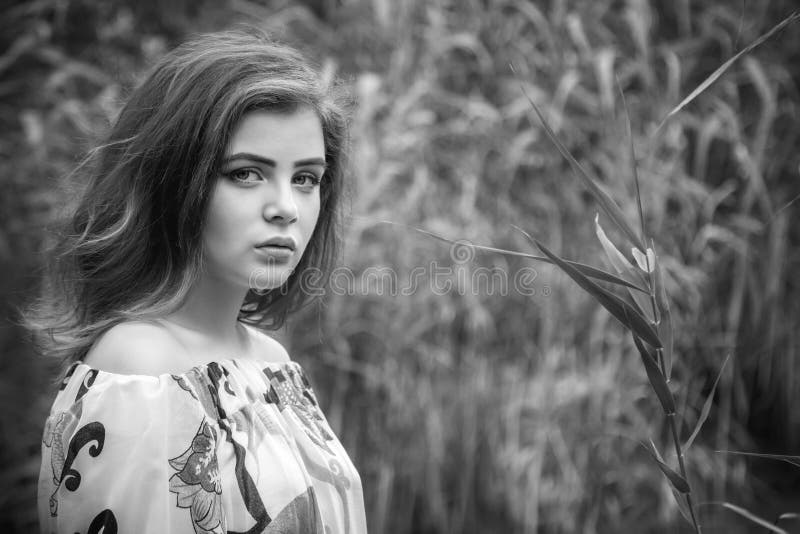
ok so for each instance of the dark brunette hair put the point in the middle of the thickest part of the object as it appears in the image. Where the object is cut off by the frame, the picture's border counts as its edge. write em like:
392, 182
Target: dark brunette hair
132, 247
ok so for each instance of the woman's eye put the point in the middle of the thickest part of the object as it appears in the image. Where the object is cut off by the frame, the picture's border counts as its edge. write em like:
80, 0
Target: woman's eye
307, 179
243, 175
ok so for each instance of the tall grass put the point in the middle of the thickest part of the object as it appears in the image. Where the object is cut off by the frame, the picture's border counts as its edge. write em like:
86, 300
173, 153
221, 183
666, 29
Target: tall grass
469, 411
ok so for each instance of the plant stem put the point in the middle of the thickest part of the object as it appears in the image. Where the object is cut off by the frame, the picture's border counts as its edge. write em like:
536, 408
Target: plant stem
673, 427
671, 417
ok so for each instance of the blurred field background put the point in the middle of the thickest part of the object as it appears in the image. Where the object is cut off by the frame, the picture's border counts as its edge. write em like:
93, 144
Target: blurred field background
472, 411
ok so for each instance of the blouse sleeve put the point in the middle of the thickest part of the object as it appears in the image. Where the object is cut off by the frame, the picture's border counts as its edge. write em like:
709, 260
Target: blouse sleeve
131, 453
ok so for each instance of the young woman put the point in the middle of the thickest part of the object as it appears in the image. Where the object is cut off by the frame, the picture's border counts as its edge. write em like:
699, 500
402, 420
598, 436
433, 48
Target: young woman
217, 187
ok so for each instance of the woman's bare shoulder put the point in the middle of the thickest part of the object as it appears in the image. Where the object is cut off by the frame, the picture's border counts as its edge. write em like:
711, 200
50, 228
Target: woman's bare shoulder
138, 348
266, 347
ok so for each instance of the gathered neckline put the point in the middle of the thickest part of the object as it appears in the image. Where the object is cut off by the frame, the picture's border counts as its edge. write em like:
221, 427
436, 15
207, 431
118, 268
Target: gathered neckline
223, 362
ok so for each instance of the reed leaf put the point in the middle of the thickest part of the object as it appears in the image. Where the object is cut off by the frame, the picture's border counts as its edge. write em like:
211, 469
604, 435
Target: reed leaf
787, 515
606, 202
655, 377
675, 479
621, 310
664, 325
625, 269
646, 262
634, 168
683, 506
725, 66
706, 407
680, 498
586, 270
752, 517
793, 460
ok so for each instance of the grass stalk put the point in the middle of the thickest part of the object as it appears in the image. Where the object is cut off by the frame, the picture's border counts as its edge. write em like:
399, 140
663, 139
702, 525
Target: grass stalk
682, 466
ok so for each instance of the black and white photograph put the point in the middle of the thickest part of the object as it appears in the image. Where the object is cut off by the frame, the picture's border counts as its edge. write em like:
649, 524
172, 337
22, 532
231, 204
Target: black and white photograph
400, 266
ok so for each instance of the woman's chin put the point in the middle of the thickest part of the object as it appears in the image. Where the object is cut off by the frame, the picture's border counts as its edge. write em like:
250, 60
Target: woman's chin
269, 277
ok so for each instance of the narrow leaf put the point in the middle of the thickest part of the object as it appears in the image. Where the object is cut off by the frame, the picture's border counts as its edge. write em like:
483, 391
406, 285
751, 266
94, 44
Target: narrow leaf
787, 515
752, 517
634, 169
654, 449
664, 319
683, 506
646, 262
725, 66
606, 202
625, 269
621, 310
586, 270
656, 379
645, 258
794, 460
617, 258
593, 272
706, 407
674, 478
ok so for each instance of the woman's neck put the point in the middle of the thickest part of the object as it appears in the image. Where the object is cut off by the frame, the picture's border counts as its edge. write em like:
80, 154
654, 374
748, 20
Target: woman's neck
211, 310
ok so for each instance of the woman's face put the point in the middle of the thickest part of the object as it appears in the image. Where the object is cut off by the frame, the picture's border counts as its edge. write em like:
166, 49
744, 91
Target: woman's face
266, 200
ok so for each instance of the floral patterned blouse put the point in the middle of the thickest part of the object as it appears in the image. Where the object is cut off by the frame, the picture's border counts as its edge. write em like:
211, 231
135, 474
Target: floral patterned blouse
233, 446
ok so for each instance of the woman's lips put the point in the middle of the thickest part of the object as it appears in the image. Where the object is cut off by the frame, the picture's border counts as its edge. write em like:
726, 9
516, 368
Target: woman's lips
275, 253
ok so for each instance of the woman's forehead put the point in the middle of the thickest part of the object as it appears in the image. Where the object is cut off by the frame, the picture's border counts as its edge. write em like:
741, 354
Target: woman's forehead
293, 134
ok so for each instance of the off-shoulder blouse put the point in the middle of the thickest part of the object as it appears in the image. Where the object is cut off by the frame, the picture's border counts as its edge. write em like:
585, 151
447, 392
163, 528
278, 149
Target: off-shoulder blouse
233, 446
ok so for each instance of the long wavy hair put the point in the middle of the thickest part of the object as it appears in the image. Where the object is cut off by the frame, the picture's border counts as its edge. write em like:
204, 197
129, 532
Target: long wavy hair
132, 247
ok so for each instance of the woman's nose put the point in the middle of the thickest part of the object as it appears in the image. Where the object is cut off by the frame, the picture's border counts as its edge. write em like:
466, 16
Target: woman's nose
280, 207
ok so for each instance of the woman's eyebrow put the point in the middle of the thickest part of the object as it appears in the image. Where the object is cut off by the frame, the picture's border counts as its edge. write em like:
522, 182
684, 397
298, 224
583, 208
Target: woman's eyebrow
270, 162
310, 161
